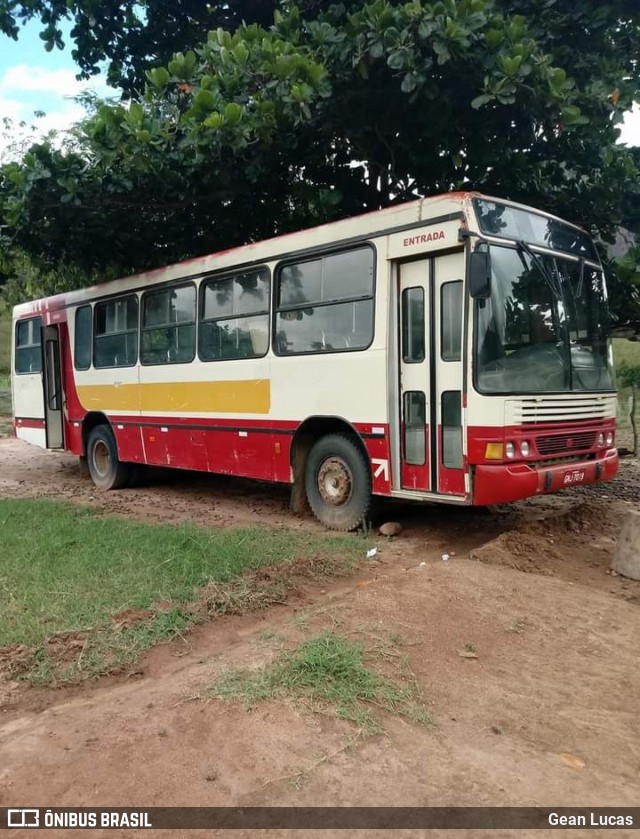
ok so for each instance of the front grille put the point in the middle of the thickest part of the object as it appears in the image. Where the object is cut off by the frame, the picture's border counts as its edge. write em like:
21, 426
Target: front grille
545, 409
556, 443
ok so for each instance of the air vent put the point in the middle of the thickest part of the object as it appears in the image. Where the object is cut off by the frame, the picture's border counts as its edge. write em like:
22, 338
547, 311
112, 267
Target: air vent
557, 443
543, 409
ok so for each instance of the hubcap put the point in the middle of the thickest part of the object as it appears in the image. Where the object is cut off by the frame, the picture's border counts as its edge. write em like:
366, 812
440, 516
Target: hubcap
335, 481
101, 458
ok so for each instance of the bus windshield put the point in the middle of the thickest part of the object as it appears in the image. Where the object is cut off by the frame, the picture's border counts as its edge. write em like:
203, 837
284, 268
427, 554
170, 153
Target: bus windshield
544, 328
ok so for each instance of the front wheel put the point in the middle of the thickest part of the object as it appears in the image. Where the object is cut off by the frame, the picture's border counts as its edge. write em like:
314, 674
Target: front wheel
106, 471
338, 482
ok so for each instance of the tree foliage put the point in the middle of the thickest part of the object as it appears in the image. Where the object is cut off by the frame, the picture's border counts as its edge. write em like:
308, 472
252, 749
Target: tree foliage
129, 35
334, 109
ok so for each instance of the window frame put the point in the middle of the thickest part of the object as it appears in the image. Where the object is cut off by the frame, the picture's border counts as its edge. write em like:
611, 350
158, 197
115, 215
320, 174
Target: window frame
75, 337
116, 298
406, 323
209, 280
18, 322
141, 328
444, 285
314, 257
405, 427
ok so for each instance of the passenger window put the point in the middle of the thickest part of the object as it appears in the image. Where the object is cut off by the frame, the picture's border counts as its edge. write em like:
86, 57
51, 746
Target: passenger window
115, 341
28, 346
169, 325
326, 304
82, 339
234, 316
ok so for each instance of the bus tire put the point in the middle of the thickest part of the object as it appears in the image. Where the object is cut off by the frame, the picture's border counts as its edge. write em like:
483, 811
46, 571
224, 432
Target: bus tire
338, 482
107, 472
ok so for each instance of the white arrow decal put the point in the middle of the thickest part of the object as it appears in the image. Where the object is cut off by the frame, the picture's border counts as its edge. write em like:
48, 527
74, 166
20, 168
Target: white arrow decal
383, 467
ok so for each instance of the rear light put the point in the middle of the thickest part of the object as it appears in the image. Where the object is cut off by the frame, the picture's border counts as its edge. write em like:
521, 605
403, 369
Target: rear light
510, 450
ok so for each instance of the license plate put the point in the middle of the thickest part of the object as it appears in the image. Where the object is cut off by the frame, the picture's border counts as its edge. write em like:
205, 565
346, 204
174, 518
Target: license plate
574, 476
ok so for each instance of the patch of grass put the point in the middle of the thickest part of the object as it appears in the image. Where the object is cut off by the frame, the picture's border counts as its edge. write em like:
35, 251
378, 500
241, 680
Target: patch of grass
519, 625
329, 674
470, 647
86, 592
106, 648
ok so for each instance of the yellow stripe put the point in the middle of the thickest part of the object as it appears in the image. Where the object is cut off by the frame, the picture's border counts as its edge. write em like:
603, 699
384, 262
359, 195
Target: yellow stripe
247, 396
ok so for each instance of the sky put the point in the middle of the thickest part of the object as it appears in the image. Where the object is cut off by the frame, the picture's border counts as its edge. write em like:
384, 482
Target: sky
32, 79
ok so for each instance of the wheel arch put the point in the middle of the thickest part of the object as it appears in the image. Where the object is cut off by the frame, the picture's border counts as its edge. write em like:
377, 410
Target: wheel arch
91, 421
311, 430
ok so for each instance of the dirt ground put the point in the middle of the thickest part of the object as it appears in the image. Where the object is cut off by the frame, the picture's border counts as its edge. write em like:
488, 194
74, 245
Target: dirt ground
547, 714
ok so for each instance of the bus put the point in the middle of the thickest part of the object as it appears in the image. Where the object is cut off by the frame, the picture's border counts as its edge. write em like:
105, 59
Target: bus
450, 349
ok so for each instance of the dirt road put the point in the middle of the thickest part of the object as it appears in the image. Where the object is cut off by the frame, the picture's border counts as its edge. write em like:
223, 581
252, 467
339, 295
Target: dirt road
545, 715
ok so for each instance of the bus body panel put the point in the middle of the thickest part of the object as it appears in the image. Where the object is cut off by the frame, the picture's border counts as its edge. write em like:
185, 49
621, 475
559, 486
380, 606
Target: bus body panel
240, 416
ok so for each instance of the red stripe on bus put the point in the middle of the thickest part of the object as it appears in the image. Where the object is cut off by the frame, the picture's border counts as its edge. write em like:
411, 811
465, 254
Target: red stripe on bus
28, 422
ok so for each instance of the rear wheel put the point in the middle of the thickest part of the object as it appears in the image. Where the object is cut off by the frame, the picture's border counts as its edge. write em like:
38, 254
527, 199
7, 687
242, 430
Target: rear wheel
106, 471
338, 482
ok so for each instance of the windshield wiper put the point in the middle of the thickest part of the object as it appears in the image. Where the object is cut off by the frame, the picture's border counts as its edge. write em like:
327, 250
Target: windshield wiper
523, 247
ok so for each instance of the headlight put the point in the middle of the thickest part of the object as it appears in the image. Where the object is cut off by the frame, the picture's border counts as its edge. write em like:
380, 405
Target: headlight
510, 450
525, 448
609, 438
601, 439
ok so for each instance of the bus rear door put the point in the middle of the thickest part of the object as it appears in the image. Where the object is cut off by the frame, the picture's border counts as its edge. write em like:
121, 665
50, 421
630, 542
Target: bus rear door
52, 384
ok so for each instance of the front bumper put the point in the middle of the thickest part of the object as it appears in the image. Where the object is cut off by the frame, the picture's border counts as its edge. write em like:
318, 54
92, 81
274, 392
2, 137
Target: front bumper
495, 484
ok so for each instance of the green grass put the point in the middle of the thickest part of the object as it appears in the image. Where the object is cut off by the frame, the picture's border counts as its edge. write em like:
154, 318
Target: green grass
67, 569
329, 674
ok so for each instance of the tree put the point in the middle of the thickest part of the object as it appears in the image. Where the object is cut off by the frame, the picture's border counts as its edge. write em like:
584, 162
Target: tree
629, 377
337, 109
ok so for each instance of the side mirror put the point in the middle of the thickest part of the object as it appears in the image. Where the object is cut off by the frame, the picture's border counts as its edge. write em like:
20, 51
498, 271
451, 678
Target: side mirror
480, 274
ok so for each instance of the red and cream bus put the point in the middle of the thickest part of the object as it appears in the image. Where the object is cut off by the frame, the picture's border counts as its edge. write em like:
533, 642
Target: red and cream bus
449, 349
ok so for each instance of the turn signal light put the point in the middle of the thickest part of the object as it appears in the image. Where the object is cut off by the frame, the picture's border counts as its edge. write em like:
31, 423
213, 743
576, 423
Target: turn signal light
494, 451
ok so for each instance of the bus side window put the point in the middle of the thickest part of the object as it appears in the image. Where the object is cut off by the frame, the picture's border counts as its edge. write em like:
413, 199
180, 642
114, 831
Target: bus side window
82, 339
326, 304
115, 335
234, 316
169, 325
28, 349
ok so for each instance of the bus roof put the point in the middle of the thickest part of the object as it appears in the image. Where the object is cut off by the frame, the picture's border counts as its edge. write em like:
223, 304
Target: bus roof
366, 225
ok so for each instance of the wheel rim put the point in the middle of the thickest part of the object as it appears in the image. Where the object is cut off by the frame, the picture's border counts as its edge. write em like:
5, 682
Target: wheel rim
101, 459
335, 482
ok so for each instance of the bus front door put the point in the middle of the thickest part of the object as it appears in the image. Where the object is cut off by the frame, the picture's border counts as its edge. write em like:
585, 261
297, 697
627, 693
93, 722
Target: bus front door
52, 384
431, 377
415, 376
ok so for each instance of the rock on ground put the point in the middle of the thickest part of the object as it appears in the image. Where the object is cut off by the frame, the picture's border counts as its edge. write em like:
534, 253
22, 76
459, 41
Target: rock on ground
626, 557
